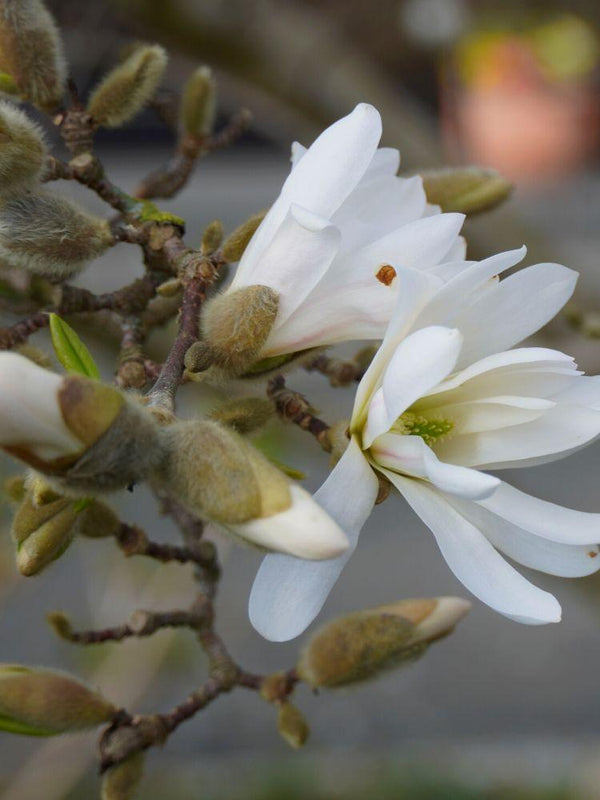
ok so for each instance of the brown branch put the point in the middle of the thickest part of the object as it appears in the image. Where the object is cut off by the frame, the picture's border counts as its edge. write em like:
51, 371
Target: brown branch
294, 407
172, 177
88, 170
340, 373
134, 542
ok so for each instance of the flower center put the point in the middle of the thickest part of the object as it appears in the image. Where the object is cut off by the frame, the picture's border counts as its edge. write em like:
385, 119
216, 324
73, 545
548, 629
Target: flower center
430, 430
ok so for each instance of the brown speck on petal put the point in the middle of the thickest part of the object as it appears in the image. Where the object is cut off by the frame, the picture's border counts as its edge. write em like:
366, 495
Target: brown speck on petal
593, 553
386, 274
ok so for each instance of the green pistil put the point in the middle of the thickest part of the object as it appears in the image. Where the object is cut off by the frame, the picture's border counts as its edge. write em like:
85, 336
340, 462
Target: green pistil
430, 430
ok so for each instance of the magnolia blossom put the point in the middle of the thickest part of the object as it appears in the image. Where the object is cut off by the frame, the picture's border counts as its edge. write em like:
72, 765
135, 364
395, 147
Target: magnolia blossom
443, 402
343, 216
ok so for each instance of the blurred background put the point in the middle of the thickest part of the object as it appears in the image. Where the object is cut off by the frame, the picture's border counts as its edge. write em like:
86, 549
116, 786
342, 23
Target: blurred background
498, 710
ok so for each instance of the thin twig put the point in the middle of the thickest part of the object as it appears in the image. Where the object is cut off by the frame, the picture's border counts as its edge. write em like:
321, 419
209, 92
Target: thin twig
293, 407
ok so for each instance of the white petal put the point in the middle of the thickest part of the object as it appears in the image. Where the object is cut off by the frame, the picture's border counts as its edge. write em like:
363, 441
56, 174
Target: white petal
419, 363
410, 455
30, 415
474, 561
517, 308
320, 180
584, 391
288, 593
298, 150
303, 530
524, 547
543, 518
385, 161
296, 259
560, 430
488, 413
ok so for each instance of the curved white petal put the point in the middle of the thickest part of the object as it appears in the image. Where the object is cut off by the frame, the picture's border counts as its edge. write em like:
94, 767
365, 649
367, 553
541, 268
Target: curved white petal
584, 391
296, 259
542, 518
303, 530
385, 161
288, 593
474, 560
418, 364
30, 414
524, 547
410, 455
321, 179
515, 309
560, 430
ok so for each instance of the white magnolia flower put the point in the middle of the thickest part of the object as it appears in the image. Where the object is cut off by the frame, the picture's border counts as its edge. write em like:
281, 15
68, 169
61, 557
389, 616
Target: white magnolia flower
341, 216
30, 415
440, 403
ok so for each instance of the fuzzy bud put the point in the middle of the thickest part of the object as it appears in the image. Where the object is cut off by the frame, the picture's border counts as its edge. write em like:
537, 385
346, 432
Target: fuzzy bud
22, 149
31, 52
40, 702
48, 235
87, 436
199, 104
212, 237
128, 87
121, 781
235, 244
14, 488
292, 725
234, 327
360, 646
219, 476
42, 532
467, 190
244, 414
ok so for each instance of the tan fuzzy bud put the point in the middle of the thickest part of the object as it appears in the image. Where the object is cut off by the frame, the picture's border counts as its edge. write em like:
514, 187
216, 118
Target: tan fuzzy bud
42, 533
235, 244
199, 103
212, 237
31, 52
48, 235
292, 725
467, 190
169, 288
97, 520
14, 488
219, 476
360, 646
236, 325
121, 781
244, 414
60, 624
22, 149
34, 354
128, 87
41, 702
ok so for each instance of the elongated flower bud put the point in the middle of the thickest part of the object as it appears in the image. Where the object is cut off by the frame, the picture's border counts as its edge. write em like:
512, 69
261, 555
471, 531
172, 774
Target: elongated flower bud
199, 103
128, 87
244, 414
292, 725
219, 476
237, 241
234, 326
357, 647
87, 436
121, 781
48, 235
42, 533
212, 237
467, 190
31, 52
22, 149
41, 702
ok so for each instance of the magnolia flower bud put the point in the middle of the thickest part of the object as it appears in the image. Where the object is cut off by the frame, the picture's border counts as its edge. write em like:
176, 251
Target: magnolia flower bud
22, 149
128, 87
357, 647
40, 702
86, 436
244, 414
212, 237
199, 103
292, 725
31, 52
235, 244
219, 476
121, 781
48, 235
42, 532
234, 327
467, 190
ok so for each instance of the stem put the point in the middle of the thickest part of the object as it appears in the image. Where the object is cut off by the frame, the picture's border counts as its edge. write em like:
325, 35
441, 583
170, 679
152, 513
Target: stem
294, 407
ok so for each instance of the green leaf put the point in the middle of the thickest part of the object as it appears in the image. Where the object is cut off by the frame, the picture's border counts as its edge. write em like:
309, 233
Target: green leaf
70, 350
10, 725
